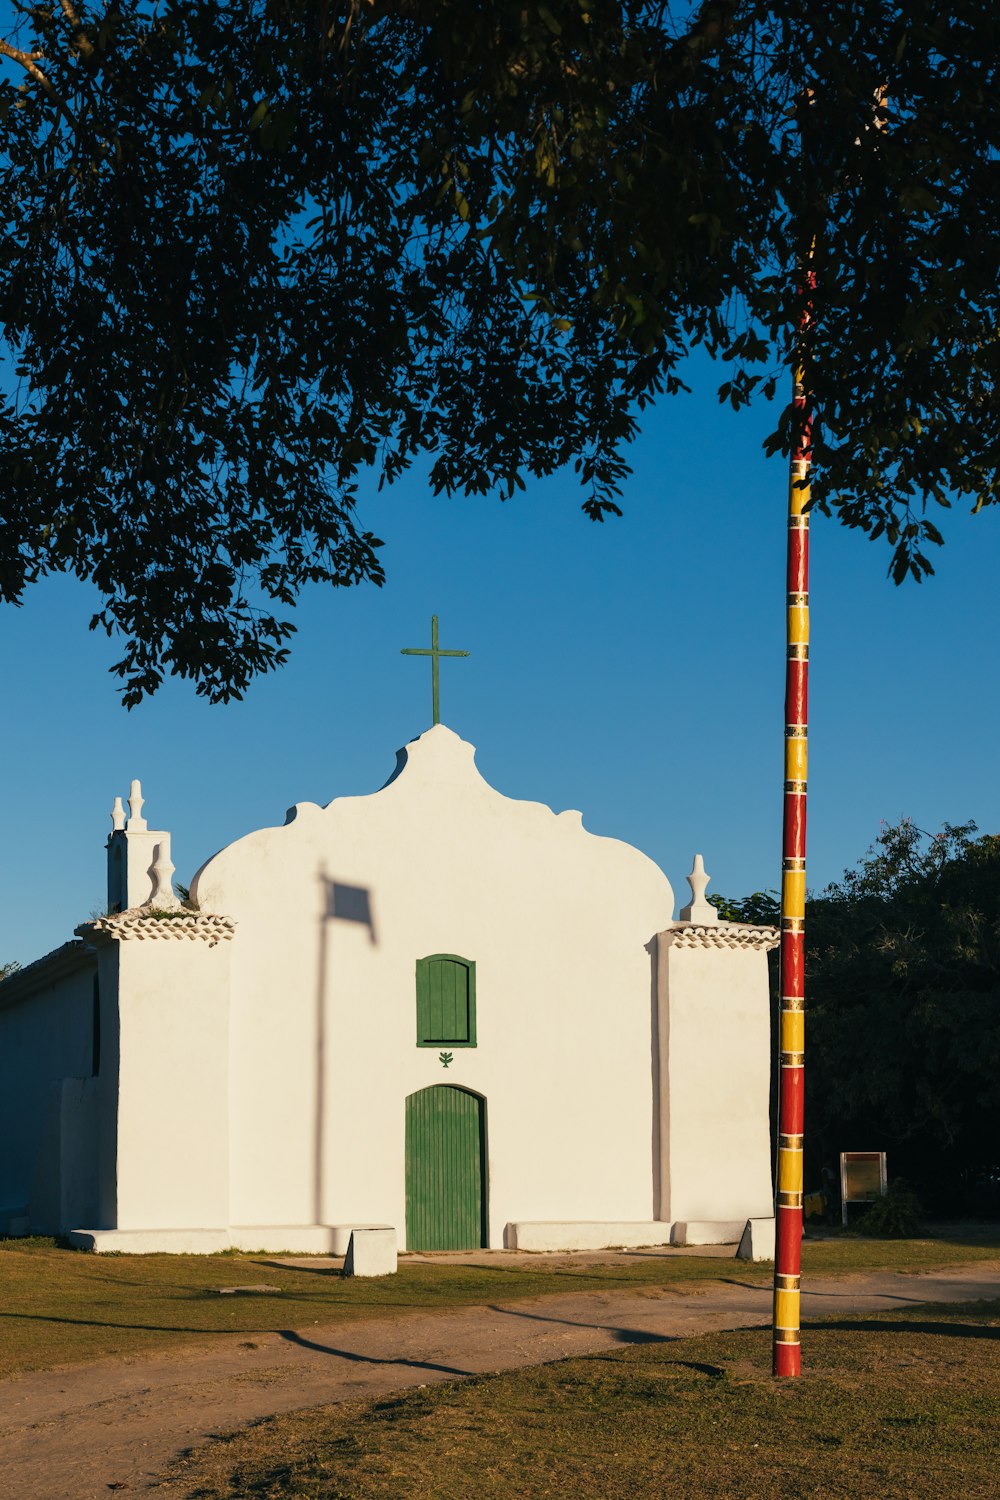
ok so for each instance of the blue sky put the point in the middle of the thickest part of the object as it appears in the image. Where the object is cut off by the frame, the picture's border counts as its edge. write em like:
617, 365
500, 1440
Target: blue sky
632, 670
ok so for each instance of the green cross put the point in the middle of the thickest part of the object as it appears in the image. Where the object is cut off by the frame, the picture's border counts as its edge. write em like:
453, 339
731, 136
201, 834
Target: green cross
435, 653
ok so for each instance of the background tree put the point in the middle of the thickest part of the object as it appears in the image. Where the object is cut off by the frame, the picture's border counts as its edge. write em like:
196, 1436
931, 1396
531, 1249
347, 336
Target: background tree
253, 252
904, 1011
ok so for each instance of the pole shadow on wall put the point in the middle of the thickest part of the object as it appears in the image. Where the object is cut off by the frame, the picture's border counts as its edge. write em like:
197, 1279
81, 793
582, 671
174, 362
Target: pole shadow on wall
659, 1120
341, 903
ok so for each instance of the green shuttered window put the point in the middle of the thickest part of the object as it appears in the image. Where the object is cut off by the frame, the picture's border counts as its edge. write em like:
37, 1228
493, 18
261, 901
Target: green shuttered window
446, 1001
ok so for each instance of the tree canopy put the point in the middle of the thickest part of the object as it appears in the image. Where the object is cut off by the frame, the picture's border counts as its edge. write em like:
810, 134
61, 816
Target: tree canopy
253, 252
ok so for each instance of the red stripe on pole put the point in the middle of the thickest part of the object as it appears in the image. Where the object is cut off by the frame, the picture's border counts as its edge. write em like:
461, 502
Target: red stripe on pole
792, 963
792, 1100
797, 699
795, 828
798, 567
788, 1235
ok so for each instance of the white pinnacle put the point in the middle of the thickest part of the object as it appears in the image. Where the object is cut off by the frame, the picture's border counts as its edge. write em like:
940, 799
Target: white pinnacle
136, 822
698, 909
162, 895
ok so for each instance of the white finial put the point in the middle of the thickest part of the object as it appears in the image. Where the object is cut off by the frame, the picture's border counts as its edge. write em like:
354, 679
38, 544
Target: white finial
698, 909
118, 816
162, 895
136, 822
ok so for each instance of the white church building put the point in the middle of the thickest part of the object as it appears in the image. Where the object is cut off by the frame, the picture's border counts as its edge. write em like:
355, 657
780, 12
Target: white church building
433, 1008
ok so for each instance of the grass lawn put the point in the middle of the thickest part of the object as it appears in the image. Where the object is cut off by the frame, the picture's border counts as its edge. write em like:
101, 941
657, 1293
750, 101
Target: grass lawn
900, 1404
61, 1306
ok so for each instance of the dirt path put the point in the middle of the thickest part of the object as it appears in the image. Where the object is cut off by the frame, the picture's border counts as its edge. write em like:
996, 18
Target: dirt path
92, 1430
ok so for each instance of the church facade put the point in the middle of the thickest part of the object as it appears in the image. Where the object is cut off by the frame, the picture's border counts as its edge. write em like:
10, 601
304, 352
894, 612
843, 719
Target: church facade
434, 1008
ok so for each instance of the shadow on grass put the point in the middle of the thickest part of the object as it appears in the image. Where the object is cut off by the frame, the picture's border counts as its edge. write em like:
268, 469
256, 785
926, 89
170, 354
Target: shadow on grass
621, 1335
570, 1273
282, 1265
479, 1272
567, 1273
908, 1325
204, 1329
848, 1293
18, 1317
291, 1337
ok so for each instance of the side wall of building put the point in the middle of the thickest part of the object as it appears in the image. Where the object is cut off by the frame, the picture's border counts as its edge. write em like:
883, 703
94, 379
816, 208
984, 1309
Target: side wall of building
50, 1061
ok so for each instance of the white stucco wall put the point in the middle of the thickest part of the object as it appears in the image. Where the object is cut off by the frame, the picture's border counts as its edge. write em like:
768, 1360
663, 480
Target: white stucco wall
167, 1131
559, 923
716, 1058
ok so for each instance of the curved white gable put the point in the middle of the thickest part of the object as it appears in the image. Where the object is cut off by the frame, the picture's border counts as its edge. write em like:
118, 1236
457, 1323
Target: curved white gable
436, 778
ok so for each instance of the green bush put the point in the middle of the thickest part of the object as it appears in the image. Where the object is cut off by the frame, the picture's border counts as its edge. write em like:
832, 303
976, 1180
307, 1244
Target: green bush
897, 1216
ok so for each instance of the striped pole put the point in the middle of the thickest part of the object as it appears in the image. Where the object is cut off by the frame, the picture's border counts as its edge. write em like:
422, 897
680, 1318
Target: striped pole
788, 1201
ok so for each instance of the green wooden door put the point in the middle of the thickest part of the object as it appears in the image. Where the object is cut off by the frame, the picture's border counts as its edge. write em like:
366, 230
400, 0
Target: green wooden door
445, 1170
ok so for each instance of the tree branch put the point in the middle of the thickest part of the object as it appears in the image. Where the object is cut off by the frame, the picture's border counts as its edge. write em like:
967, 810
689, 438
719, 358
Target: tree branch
29, 62
81, 41
26, 59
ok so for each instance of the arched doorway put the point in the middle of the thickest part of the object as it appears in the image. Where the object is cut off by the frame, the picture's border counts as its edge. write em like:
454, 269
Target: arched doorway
446, 1193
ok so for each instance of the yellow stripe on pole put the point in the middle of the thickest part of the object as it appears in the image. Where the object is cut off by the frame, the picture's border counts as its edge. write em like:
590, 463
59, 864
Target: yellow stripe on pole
793, 1031
786, 1311
793, 893
798, 625
789, 1171
796, 757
